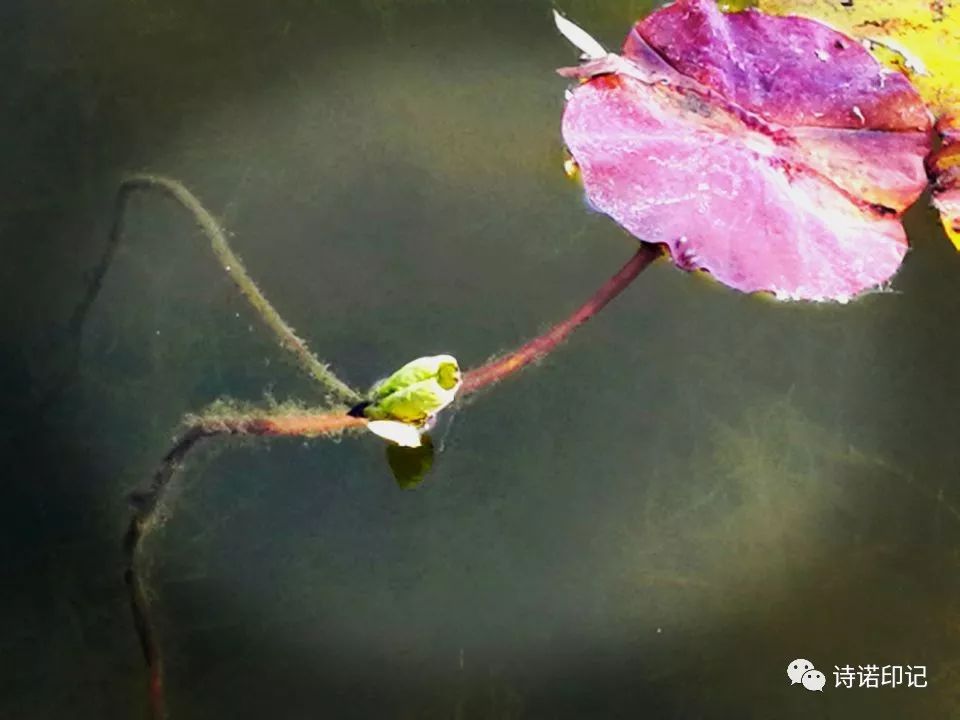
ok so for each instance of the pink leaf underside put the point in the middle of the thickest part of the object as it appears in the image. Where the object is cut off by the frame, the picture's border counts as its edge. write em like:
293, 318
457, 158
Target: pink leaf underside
944, 165
773, 152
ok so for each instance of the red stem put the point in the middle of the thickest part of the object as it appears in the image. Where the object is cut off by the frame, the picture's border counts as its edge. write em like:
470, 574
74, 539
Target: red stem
308, 424
542, 345
476, 379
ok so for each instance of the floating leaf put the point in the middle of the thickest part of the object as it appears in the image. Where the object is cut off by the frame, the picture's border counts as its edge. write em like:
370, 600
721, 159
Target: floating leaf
774, 153
945, 168
921, 38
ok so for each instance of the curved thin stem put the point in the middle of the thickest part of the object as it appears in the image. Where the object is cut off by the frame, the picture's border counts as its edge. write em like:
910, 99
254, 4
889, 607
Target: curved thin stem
208, 225
146, 504
542, 345
73, 332
149, 501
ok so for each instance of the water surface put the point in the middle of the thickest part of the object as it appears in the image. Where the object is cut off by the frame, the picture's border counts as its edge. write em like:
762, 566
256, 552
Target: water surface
695, 490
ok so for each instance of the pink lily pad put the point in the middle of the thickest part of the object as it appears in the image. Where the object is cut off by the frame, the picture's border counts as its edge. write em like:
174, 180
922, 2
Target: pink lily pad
773, 152
944, 167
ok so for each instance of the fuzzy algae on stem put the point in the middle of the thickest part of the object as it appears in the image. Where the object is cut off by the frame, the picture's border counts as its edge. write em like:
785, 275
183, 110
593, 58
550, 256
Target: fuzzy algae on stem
209, 226
219, 419
290, 419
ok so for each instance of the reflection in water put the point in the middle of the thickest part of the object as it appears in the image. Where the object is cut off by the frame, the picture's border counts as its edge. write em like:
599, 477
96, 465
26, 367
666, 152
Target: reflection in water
410, 465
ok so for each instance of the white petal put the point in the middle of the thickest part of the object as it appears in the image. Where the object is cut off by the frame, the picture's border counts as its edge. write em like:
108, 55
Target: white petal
396, 432
579, 37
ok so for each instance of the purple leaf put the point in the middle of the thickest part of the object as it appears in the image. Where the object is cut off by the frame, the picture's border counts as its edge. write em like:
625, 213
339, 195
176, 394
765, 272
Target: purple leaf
774, 153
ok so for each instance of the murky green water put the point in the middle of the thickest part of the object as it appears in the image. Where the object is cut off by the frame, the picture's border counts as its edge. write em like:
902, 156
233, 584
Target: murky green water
697, 489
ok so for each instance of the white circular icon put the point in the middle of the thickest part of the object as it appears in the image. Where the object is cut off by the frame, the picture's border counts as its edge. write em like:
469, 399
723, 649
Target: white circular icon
814, 680
797, 668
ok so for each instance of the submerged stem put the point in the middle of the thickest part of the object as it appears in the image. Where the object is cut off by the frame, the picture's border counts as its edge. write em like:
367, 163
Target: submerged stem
208, 225
148, 503
301, 423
